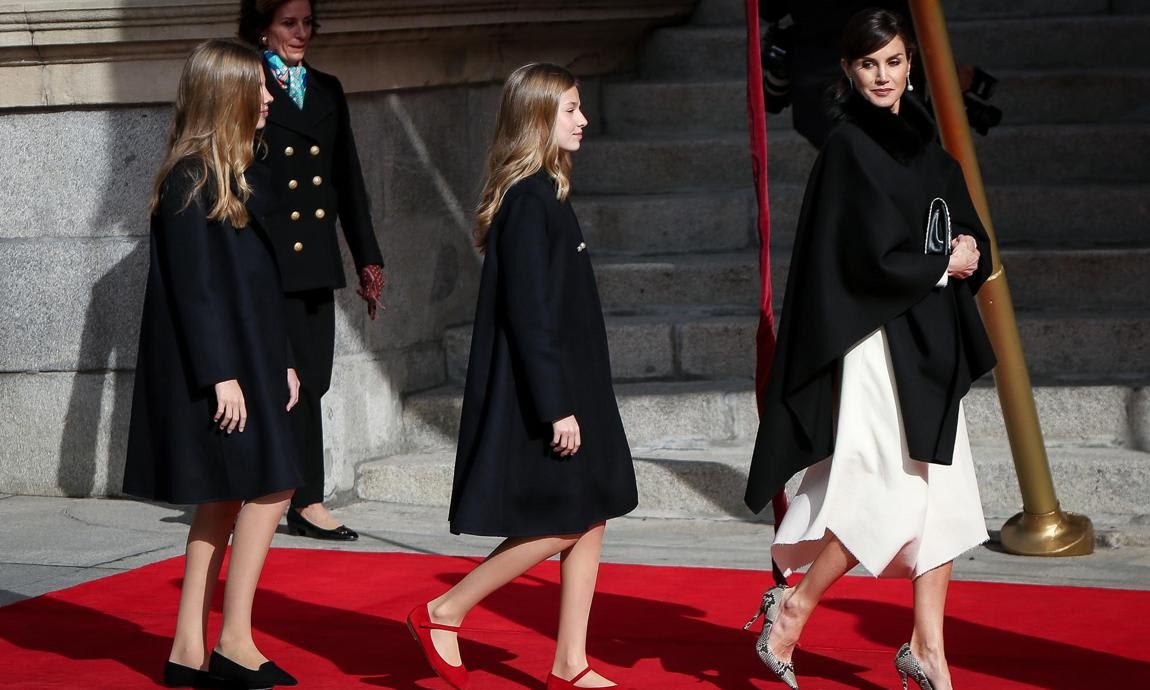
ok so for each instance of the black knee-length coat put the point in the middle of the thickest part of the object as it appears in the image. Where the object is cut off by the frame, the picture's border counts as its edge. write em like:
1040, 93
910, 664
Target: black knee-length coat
213, 311
538, 354
857, 265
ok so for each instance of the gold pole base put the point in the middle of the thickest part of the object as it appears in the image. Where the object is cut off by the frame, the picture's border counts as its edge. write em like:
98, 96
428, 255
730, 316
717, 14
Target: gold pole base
1051, 534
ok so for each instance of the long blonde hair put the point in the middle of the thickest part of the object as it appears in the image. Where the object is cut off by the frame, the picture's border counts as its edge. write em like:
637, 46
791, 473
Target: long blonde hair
218, 105
524, 140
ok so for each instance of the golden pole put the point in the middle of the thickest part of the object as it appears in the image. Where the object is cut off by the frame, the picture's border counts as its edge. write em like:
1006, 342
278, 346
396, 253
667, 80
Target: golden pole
1042, 528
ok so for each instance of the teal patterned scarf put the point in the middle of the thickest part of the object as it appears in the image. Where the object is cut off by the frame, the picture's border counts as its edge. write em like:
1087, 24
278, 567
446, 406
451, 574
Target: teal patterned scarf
292, 79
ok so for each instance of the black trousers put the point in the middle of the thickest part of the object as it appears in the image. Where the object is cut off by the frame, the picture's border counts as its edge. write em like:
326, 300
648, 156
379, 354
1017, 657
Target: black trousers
311, 330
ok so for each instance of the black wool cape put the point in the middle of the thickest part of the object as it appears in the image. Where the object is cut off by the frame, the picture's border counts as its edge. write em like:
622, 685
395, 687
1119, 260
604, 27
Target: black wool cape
213, 311
858, 265
538, 354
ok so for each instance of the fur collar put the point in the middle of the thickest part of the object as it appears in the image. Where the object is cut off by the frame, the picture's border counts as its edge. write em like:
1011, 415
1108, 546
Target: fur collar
903, 136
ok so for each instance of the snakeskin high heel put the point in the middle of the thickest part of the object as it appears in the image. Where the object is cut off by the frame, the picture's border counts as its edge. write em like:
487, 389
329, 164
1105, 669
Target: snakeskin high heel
907, 665
769, 609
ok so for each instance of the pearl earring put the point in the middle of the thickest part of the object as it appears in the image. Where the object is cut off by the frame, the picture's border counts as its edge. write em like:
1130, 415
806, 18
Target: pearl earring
909, 84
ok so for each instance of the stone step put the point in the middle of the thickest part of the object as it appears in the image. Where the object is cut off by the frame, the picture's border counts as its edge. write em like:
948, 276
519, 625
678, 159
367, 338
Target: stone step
668, 223
1071, 215
1048, 154
719, 13
1074, 42
1098, 280
710, 481
731, 12
970, 9
669, 108
686, 345
1049, 217
1083, 42
670, 414
672, 108
1061, 154
1064, 96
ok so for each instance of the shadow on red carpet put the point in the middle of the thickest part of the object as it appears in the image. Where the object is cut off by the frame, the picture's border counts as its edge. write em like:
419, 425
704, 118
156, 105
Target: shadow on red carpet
335, 620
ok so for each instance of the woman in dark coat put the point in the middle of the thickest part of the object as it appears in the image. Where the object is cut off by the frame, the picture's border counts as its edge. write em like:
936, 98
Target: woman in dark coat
878, 343
213, 380
315, 177
542, 458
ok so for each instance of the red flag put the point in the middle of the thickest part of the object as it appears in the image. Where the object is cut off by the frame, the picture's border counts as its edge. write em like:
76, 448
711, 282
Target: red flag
757, 121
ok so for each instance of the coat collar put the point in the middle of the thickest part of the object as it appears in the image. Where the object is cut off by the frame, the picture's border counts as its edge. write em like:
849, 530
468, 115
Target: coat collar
317, 104
903, 136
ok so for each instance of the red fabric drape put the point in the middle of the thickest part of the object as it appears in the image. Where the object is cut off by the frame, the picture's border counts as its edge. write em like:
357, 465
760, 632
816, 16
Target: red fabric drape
757, 125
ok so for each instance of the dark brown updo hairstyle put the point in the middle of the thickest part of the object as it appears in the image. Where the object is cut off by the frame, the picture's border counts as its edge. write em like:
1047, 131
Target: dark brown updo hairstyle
866, 32
257, 15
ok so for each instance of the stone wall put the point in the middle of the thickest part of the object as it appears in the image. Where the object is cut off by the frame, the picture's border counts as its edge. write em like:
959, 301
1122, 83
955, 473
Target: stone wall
74, 253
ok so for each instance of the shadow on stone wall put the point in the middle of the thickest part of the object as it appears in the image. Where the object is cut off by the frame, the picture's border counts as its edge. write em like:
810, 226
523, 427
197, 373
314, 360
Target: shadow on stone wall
119, 179
101, 398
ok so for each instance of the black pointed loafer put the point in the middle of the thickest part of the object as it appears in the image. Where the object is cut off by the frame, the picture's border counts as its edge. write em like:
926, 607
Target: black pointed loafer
238, 677
300, 527
180, 676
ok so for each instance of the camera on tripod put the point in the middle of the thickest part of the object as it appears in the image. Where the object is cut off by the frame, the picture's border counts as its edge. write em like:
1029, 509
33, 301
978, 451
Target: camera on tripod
777, 43
981, 115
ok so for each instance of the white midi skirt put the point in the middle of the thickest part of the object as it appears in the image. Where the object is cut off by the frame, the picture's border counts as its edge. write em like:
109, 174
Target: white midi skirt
898, 516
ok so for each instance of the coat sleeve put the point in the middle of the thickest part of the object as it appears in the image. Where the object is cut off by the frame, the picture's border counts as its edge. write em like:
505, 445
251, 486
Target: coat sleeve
531, 294
964, 220
354, 209
199, 297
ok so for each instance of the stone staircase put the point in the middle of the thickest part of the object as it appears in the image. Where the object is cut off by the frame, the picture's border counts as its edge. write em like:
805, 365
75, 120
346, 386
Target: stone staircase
665, 201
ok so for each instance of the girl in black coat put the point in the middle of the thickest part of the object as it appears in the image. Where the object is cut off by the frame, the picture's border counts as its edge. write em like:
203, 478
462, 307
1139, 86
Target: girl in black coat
878, 343
315, 176
214, 382
542, 458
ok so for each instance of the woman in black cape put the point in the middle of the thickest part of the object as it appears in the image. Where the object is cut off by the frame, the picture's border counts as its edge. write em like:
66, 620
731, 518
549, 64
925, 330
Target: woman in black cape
878, 343
542, 458
214, 378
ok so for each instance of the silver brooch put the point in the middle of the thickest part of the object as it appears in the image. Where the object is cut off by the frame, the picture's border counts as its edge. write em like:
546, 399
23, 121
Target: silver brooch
581, 247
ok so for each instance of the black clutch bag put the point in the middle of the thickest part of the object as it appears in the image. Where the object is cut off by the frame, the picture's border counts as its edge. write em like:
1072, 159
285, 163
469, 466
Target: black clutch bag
937, 228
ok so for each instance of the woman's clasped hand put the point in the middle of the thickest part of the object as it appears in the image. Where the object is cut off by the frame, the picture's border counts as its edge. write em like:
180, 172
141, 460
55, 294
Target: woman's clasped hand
964, 257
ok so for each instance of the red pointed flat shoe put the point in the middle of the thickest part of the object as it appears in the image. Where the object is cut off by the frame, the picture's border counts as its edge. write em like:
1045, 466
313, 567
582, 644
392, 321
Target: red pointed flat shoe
420, 625
554, 682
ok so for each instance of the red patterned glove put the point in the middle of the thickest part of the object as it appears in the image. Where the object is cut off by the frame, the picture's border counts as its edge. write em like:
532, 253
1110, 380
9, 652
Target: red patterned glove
371, 287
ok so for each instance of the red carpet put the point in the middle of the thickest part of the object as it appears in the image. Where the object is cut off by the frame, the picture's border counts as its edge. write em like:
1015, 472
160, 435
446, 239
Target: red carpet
336, 621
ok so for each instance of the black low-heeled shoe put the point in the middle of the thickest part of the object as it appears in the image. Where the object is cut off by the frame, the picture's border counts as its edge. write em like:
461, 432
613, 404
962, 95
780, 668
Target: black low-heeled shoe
180, 676
300, 527
238, 677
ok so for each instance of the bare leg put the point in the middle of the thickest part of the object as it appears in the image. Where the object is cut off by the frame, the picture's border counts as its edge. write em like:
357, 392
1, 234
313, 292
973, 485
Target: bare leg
929, 610
207, 543
508, 561
833, 561
579, 571
253, 537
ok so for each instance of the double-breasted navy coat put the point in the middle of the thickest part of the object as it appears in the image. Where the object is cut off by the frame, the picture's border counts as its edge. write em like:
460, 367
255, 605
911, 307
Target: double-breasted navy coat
315, 177
538, 354
213, 311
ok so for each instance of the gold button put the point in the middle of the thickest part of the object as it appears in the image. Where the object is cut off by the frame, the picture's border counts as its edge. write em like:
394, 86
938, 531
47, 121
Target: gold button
317, 180
315, 150
293, 184
298, 246
289, 151
319, 213
295, 215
